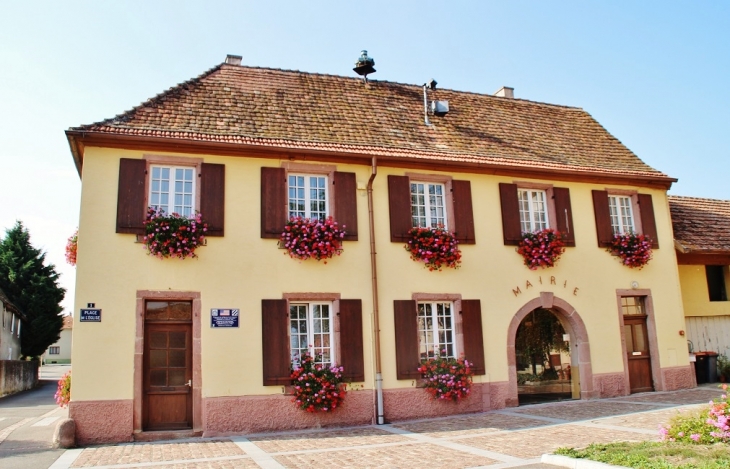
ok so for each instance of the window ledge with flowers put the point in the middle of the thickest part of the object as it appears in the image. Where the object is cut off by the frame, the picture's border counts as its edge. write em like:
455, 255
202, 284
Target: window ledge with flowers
634, 250
173, 235
541, 248
445, 378
436, 248
317, 387
72, 246
305, 238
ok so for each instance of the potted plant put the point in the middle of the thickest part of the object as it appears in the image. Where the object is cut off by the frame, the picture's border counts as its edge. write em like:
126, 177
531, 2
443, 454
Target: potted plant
434, 247
447, 378
634, 250
312, 239
317, 387
173, 235
63, 392
541, 248
723, 368
71, 247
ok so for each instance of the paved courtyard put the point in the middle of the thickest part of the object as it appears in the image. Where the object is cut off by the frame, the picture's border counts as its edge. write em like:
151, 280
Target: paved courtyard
515, 437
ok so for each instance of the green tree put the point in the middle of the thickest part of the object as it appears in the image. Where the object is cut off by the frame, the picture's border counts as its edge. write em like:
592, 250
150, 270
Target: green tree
539, 334
33, 287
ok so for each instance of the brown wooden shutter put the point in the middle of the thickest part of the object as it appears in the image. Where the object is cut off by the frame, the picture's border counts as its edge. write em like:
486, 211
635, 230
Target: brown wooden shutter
463, 212
648, 222
275, 340
345, 203
399, 201
471, 322
564, 214
351, 341
603, 218
273, 202
511, 228
212, 197
131, 196
406, 339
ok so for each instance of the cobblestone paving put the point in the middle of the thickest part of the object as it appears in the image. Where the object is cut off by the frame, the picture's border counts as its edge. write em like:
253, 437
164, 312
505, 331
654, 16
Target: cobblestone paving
156, 452
528, 444
406, 456
514, 437
469, 424
325, 439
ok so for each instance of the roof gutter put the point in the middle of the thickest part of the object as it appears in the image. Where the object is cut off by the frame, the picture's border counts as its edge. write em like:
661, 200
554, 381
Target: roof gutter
376, 310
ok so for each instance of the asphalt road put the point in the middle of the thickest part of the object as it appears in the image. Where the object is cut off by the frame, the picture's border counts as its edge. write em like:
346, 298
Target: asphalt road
27, 422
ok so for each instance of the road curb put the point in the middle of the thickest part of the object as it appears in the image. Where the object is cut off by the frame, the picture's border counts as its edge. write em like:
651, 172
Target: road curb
574, 463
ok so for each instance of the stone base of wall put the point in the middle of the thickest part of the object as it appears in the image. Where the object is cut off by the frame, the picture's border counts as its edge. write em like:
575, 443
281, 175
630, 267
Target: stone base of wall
102, 421
416, 403
17, 376
610, 385
678, 377
255, 414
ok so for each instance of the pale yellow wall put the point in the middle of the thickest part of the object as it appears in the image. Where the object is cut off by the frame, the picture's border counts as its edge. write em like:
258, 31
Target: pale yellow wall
696, 295
240, 269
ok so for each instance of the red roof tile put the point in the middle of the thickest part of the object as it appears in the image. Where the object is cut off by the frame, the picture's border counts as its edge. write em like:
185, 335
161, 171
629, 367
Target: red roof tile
701, 224
298, 110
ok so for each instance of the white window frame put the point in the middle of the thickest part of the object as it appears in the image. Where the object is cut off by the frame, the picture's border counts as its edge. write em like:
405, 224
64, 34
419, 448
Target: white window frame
12, 323
429, 219
54, 350
187, 210
311, 333
621, 213
530, 214
434, 342
307, 188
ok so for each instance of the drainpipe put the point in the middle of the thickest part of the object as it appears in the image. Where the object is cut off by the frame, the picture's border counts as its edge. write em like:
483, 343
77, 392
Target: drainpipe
376, 318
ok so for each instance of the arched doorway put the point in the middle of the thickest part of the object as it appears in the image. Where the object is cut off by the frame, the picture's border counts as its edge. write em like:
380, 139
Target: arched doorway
580, 354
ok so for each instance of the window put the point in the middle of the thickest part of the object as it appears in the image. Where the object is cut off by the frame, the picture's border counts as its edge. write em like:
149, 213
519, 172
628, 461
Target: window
308, 196
172, 189
429, 200
312, 331
622, 217
428, 205
716, 282
633, 305
436, 330
529, 207
55, 350
175, 184
533, 210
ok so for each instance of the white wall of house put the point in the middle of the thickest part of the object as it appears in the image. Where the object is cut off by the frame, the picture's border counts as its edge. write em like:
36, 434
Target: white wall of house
60, 352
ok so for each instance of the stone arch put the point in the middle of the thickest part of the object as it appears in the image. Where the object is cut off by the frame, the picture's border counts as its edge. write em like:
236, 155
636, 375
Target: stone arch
579, 346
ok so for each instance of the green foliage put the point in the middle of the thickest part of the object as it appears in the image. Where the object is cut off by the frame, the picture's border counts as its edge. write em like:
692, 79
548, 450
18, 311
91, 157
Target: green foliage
33, 287
539, 334
652, 455
723, 366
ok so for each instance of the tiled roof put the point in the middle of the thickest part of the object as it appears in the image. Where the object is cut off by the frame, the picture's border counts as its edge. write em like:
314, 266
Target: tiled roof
701, 225
297, 110
9, 305
68, 322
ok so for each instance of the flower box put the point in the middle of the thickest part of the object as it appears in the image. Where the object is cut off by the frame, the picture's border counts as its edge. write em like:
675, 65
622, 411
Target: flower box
173, 235
317, 387
436, 248
446, 378
542, 248
634, 250
312, 239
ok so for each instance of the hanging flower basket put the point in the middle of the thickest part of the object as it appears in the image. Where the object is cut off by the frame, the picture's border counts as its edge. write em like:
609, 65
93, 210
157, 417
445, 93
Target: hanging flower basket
435, 247
541, 249
317, 387
312, 239
634, 250
447, 378
173, 235
72, 247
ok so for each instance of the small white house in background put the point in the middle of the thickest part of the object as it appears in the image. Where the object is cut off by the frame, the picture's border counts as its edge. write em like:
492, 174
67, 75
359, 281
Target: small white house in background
60, 352
12, 319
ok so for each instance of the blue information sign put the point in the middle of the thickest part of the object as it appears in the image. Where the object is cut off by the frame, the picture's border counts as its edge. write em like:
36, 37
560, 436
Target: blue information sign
223, 318
90, 315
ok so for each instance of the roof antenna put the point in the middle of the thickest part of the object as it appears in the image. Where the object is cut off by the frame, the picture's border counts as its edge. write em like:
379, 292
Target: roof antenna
432, 85
364, 65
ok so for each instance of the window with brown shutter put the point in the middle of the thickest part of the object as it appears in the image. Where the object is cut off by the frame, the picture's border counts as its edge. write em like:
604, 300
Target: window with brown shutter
511, 230
463, 212
212, 197
642, 215
351, 340
471, 317
275, 342
131, 196
273, 202
345, 203
399, 202
406, 339
648, 222
603, 218
564, 215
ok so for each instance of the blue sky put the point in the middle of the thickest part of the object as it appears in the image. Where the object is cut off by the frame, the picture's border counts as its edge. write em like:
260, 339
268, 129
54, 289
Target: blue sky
653, 73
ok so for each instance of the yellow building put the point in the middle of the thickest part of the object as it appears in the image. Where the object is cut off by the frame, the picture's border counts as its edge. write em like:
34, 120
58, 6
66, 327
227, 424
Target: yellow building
250, 147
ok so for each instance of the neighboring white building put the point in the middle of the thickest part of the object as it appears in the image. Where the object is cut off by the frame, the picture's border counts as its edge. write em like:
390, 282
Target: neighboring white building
60, 352
11, 320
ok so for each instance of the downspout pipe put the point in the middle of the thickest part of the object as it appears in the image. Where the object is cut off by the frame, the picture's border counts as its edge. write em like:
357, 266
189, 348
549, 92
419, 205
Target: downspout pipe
376, 315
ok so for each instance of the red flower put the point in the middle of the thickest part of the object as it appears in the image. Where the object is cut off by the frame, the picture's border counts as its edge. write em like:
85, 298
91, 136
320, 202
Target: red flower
435, 247
304, 238
633, 249
541, 249
317, 388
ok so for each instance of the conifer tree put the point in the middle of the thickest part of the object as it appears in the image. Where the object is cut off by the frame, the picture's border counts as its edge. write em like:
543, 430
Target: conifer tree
33, 287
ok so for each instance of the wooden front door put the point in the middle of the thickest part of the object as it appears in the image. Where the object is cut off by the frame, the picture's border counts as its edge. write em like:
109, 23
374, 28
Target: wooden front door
168, 403
637, 350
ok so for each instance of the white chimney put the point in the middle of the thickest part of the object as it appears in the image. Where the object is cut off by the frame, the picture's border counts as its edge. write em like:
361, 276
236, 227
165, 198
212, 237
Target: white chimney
506, 92
233, 59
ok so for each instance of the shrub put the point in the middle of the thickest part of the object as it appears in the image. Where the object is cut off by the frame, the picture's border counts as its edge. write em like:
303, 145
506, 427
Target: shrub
63, 393
710, 425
